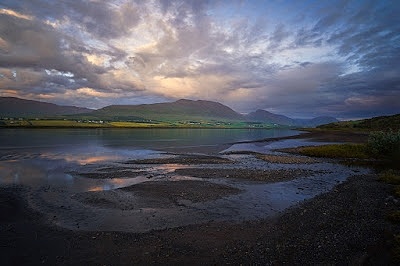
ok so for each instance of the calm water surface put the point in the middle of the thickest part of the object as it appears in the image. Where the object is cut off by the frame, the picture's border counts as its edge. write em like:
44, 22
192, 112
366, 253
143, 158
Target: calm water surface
32, 156
150, 139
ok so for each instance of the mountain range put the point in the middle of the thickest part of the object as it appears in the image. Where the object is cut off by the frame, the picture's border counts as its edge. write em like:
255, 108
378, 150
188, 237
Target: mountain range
265, 116
16, 107
180, 110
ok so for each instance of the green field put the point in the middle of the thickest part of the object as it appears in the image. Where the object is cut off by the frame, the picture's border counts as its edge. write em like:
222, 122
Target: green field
68, 123
136, 124
49, 123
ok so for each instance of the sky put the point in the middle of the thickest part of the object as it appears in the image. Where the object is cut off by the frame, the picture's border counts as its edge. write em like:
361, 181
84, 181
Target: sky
298, 58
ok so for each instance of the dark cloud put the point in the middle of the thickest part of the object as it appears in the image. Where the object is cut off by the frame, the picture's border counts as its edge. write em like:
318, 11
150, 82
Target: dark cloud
102, 19
33, 46
30, 44
338, 58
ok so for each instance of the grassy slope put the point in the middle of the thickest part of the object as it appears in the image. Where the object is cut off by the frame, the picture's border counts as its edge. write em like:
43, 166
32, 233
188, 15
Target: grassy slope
372, 124
351, 150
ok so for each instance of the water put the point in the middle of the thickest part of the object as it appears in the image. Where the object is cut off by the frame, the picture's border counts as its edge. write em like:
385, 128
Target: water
32, 156
149, 139
51, 162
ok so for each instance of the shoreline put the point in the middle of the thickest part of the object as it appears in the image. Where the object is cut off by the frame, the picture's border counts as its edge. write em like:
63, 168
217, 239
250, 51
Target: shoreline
345, 225
139, 127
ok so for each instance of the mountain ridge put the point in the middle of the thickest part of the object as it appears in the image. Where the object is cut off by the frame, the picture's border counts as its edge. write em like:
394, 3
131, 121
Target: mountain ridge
180, 109
183, 109
16, 107
265, 116
262, 116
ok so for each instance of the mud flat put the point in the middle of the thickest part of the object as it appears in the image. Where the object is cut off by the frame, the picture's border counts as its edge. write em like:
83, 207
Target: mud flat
183, 159
157, 194
248, 174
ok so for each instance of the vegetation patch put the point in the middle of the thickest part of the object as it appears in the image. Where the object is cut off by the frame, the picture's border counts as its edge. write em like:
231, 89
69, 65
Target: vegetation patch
285, 159
390, 176
137, 124
384, 144
348, 150
377, 123
62, 123
380, 145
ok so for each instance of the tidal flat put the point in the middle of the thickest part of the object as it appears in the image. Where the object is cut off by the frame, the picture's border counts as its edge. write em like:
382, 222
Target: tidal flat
245, 203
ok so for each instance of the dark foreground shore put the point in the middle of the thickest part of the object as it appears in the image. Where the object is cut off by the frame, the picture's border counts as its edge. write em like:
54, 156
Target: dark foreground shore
344, 226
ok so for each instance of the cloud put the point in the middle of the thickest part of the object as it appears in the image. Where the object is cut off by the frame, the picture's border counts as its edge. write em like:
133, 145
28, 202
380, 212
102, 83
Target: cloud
337, 58
13, 13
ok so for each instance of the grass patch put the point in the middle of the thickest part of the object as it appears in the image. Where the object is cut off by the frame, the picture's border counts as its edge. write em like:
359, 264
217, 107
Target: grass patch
349, 150
285, 159
391, 177
135, 124
385, 144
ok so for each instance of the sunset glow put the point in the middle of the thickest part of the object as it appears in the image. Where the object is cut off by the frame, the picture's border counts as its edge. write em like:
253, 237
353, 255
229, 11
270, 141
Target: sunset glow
298, 58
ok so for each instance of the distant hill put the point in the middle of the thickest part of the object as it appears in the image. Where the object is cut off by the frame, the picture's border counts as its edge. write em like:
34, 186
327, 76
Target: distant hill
371, 124
16, 107
178, 111
320, 120
268, 117
174, 111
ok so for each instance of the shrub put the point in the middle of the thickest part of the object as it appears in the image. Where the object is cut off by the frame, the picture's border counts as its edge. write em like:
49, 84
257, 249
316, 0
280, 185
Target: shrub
384, 144
390, 176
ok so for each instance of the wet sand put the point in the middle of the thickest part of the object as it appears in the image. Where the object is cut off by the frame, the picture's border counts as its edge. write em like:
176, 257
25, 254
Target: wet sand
346, 225
183, 159
157, 194
267, 176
